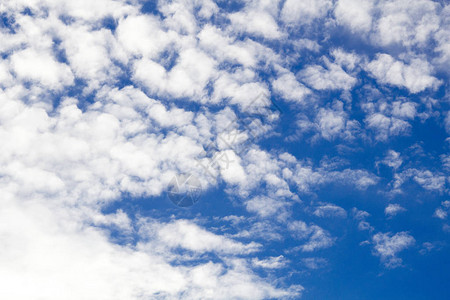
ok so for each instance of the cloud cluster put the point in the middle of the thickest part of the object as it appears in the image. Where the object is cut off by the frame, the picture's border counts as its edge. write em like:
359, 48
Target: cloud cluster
105, 101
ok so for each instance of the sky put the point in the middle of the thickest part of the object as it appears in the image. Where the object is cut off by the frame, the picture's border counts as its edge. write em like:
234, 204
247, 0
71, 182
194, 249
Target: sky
247, 149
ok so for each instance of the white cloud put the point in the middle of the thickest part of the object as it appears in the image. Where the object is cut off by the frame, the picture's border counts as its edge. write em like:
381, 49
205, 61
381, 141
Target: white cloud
405, 110
388, 118
355, 14
392, 159
415, 76
231, 168
265, 206
224, 48
407, 22
188, 235
188, 78
314, 263
209, 281
333, 123
442, 38
330, 210
425, 178
447, 122
393, 209
360, 216
264, 230
427, 247
429, 181
255, 22
241, 88
90, 54
173, 117
304, 12
307, 179
42, 68
364, 225
181, 16
59, 255
5, 76
331, 78
385, 127
149, 41
275, 262
440, 213
317, 238
91, 11
347, 60
290, 89
387, 246
361, 179
308, 44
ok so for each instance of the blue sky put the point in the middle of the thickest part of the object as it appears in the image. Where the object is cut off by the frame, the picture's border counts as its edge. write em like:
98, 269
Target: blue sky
310, 136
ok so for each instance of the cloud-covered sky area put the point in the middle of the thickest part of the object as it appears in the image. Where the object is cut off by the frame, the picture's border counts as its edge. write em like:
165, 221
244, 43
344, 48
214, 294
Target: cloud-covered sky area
244, 149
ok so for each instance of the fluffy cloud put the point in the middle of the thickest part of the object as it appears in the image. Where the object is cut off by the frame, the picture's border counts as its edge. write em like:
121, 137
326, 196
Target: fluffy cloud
290, 89
188, 78
256, 22
442, 212
48, 248
385, 127
357, 15
314, 262
333, 123
387, 246
393, 209
425, 178
330, 210
407, 22
225, 48
187, 235
41, 68
415, 76
443, 40
304, 12
360, 216
428, 180
388, 119
393, 159
149, 41
270, 263
265, 206
333, 77
317, 238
